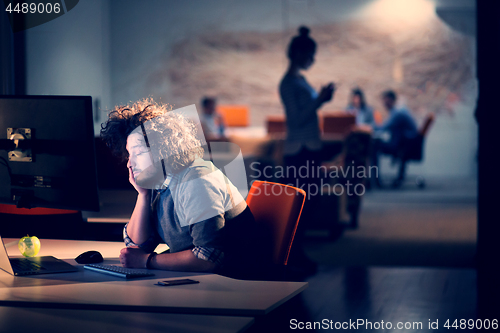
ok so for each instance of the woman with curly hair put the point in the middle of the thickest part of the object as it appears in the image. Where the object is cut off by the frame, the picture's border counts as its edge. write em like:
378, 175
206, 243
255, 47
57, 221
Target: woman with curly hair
182, 199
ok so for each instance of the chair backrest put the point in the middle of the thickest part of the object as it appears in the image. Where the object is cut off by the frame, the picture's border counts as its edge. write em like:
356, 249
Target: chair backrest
377, 117
276, 124
414, 150
338, 123
234, 115
277, 208
429, 119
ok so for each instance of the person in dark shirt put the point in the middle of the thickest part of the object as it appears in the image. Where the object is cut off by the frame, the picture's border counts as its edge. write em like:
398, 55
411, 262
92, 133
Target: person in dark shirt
212, 122
400, 126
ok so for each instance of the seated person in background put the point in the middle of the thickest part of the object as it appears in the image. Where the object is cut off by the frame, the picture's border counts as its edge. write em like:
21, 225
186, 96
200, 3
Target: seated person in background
358, 107
211, 122
400, 125
196, 211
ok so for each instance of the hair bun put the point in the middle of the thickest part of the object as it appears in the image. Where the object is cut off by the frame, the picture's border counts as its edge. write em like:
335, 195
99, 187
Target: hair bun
304, 31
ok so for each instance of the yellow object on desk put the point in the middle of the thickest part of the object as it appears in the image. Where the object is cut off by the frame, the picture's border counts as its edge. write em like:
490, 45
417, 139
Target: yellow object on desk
29, 246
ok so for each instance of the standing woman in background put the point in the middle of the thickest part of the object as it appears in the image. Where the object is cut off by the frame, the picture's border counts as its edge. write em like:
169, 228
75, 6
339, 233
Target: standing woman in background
303, 140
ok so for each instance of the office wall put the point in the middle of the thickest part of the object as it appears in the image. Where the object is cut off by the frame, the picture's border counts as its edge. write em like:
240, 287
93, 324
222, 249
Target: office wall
176, 51
70, 55
145, 35
179, 51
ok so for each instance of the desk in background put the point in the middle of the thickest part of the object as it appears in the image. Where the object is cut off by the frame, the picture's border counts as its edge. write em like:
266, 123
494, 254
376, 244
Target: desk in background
345, 146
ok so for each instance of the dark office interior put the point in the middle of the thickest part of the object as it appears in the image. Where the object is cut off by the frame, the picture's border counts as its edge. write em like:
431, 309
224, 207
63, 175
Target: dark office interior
418, 249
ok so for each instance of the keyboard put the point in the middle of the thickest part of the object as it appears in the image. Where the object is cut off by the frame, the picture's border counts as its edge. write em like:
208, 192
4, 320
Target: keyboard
126, 273
25, 265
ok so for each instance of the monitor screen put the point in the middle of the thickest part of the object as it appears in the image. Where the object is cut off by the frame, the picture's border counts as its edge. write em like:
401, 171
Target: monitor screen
47, 152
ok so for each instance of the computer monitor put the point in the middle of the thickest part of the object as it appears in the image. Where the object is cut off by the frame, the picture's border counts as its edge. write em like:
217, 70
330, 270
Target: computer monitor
47, 150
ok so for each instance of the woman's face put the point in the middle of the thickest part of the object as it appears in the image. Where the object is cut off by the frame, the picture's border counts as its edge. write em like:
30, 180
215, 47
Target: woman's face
356, 101
305, 60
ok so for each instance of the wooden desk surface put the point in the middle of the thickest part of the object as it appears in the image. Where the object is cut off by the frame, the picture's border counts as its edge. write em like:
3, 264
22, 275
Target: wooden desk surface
13, 320
85, 289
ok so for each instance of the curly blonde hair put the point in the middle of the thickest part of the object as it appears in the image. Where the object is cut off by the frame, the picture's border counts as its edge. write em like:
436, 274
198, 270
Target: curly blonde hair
173, 135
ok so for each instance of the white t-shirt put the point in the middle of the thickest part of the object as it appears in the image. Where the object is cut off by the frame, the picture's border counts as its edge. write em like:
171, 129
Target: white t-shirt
201, 192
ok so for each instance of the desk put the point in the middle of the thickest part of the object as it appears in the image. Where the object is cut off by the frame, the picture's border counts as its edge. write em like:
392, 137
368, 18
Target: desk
13, 320
87, 290
271, 145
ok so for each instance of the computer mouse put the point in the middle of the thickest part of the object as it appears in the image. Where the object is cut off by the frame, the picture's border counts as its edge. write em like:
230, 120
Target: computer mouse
89, 257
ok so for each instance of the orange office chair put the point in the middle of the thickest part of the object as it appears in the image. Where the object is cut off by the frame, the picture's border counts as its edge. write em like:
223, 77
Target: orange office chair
377, 117
234, 115
277, 208
429, 119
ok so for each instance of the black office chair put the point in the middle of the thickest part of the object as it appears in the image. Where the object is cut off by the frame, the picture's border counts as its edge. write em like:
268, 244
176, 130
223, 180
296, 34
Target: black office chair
413, 151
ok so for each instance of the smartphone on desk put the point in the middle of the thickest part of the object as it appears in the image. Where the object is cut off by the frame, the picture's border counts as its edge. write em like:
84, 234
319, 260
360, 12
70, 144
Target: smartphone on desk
176, 282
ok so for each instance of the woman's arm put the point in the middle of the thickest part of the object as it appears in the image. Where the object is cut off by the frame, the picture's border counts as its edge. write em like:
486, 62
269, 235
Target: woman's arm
139, 228
179, 261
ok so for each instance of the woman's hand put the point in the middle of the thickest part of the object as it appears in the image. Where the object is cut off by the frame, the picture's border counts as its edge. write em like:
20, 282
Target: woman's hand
131, 179
326, 92
133, 257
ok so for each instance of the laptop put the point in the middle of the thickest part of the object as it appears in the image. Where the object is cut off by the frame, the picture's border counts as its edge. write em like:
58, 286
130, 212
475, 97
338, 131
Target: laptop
33, 265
